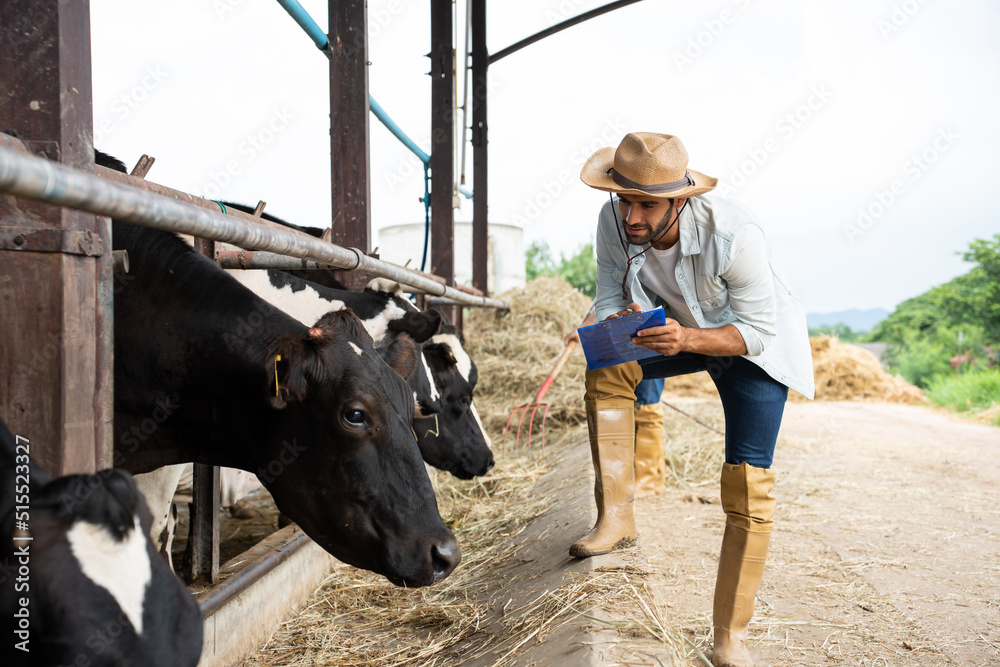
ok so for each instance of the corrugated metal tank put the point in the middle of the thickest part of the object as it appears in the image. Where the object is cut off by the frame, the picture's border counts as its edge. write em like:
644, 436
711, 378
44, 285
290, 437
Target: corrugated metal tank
505, 264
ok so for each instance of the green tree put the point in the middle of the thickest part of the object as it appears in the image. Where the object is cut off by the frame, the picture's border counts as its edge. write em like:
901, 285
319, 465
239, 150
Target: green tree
962, 315
840, 330
538, 261
986, 300
579, 270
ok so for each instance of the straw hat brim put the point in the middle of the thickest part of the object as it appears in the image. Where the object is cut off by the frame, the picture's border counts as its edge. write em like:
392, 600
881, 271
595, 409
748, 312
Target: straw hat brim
595, 174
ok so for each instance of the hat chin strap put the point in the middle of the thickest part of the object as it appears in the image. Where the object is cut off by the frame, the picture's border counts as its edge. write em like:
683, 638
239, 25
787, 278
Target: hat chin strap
656, 188
621, 239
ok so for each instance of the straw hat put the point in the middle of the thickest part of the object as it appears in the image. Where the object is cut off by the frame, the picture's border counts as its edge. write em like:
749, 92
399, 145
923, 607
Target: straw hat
646, 163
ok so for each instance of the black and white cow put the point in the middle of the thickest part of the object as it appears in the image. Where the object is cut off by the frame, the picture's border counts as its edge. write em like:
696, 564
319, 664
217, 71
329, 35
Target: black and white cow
206, 371
84, 585
447, 425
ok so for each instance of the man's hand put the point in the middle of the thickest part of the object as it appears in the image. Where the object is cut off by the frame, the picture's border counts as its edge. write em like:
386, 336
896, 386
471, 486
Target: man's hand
667, 340
630, 309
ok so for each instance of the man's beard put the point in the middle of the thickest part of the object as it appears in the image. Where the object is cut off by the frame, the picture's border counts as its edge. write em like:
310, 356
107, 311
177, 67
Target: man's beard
655, 234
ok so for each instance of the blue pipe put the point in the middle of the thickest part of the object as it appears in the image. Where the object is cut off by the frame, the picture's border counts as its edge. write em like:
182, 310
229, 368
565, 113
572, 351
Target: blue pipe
403, 138
306, 22
398, 133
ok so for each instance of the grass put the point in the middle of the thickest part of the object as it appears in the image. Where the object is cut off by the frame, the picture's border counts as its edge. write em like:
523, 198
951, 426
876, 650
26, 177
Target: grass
977, 391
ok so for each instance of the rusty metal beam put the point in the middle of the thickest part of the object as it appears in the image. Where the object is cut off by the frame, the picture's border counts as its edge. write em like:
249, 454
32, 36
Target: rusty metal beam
480, 154
442, 162
205, 524
56, 350
351, 191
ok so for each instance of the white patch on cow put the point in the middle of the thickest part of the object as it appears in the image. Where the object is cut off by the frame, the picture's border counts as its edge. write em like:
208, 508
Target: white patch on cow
357, 350
122, 568
464, 364
385, 286
435, 395
418, 412
378, 326
462, 359
306, 305
475, 413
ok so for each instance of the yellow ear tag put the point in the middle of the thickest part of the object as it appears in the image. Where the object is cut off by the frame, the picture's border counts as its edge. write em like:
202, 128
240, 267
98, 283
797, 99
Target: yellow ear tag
277, 358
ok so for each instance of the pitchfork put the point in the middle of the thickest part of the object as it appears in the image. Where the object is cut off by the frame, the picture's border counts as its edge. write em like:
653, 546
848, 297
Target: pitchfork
537, 403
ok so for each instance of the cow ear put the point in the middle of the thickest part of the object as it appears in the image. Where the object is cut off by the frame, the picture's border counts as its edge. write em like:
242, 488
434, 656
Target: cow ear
419, 324
400, 355
290, 363
442, 351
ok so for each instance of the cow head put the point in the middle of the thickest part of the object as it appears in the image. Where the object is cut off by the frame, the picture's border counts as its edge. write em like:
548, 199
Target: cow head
99, 592
457, 421
446, 424
344, 465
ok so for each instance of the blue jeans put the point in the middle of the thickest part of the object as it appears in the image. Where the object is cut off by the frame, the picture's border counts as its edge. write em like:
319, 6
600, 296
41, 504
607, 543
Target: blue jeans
648, 391
752, 400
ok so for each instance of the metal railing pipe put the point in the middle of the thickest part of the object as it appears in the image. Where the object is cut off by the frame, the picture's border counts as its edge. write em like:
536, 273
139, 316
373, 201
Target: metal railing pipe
43, 180
559, 27
255, 259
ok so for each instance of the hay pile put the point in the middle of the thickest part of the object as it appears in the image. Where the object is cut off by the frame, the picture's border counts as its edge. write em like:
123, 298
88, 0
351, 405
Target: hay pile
515, 351
358, 618
846, 372
843, 372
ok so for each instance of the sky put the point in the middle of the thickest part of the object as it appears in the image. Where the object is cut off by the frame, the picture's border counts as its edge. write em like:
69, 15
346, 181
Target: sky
862, 134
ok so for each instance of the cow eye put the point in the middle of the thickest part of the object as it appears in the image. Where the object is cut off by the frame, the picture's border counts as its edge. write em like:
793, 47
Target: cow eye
354, 417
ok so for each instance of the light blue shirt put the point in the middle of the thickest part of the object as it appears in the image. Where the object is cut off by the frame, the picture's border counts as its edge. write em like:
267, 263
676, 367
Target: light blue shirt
725, 277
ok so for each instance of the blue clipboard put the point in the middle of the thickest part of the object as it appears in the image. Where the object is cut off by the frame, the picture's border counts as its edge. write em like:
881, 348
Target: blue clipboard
609, 343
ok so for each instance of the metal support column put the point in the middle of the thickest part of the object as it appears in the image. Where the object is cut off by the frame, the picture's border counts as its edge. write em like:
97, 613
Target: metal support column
205, 525
480, 136
443, 146
55, 264
348, 52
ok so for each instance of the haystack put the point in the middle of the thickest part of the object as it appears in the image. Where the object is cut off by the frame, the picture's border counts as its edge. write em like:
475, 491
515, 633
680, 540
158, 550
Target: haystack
846, 372
843, 372
515, 351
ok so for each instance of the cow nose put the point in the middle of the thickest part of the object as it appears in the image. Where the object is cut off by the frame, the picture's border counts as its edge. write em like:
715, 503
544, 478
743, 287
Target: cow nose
445, 556
488, 466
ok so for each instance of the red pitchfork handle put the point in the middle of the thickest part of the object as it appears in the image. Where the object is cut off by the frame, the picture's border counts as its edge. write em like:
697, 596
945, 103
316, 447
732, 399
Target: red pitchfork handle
555, 371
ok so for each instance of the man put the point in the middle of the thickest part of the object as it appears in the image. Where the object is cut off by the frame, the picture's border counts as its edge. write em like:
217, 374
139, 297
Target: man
666, 241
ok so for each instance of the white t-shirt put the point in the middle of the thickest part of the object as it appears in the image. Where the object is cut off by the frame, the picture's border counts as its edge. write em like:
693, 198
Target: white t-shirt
658, 273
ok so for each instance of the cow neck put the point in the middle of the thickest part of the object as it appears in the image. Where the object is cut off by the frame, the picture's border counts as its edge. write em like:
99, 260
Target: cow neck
211, 336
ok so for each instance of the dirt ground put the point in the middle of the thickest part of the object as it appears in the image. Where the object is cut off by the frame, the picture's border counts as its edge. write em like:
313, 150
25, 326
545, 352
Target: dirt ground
886, 548
886, 552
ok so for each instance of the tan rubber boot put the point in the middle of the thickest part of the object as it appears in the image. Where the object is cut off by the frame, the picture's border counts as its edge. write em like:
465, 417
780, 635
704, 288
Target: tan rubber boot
749, 507
612, 445
650, 463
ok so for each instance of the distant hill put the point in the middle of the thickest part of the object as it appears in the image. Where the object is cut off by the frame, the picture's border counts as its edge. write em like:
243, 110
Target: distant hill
858, 320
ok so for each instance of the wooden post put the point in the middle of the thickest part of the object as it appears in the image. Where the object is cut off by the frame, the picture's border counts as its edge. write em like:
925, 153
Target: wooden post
443, 146
351, 224
480, 154
56, 345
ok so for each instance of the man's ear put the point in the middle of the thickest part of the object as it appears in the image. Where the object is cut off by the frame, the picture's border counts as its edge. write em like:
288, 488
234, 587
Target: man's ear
291, 365
418, 324
400, 355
